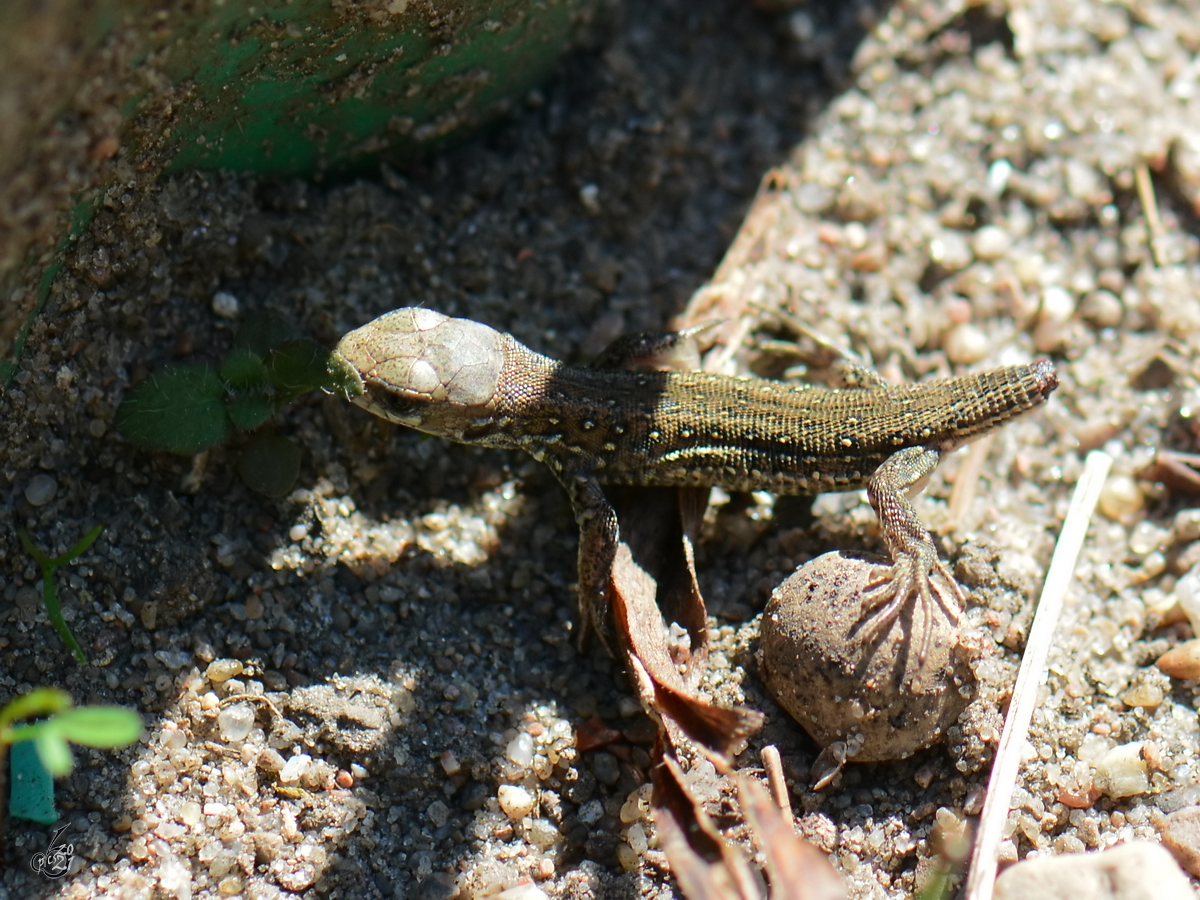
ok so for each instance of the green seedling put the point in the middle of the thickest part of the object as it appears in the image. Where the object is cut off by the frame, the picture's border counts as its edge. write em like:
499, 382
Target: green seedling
62, 724
49, 594
190, 407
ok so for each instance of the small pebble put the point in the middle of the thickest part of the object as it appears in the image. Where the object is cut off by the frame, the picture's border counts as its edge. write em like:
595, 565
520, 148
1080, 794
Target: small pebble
1123, 771
966, 344
1057, 304
1121, 498
525, 890
220, 670
1144, 694
270, 760
1102, 309
450, 763
520, 750
991, 242
1187, 595
950, 251
439, 813
516, 801
1138, 870
235, 722
589, 196
41, 489
542, 834
1181, 835
1186, 526
1182, 661
294, 768
225, 305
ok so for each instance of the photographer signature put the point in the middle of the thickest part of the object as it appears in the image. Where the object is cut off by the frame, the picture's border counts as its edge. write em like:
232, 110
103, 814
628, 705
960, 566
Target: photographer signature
56, 860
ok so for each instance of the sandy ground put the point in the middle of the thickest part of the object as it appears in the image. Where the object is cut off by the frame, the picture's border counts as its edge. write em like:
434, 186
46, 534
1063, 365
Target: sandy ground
336, 685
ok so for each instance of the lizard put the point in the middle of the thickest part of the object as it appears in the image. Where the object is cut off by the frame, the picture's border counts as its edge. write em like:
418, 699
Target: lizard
464, 381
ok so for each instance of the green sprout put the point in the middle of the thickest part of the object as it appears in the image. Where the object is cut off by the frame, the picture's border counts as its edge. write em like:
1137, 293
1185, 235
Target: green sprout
189, 407
49, 594
103, 727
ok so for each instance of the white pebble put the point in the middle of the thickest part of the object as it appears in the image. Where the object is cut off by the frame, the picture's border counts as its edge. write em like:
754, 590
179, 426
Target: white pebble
950, 251
589, 196
225, 305
1102, 308
235, 722
40, 490
525, 890
591, 812
1121, 498
1057, 304
516, 801
998, 175
1123, 771
189, 813
856, 235
991, 242
636, 836
520, 750
966, 344
1187, 595
294, 768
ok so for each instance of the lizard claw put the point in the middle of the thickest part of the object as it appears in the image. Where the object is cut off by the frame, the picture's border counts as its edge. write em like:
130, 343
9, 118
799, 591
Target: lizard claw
907, 581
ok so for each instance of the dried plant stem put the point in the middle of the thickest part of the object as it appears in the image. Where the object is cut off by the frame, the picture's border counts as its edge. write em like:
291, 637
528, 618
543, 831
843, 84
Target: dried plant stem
1031, 676
775, 780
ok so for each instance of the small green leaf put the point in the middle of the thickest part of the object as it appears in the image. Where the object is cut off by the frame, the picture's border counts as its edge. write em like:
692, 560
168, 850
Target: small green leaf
38, 702
248, 411
260, 331
84, 542
270, 465
178, 408
99, 726
53, 750
243, 370
298, 366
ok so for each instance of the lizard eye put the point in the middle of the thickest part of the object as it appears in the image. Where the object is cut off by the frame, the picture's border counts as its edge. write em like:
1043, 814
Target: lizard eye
397, 406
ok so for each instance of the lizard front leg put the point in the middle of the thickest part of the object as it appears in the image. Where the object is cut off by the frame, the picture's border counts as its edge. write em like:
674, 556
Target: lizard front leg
914, 556
599, 535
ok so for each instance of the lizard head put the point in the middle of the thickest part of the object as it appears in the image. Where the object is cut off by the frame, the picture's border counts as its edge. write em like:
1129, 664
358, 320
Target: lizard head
419, 368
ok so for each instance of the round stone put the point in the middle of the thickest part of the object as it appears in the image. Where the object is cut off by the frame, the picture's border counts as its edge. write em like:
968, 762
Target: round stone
871, 689
41, 489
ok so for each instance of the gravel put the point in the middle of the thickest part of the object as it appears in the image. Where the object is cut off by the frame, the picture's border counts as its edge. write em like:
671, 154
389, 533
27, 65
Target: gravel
396, 632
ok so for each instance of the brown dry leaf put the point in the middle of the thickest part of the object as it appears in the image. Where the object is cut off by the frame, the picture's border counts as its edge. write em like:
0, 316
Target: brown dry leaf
661, 686
704, 864
797, 870
658, 525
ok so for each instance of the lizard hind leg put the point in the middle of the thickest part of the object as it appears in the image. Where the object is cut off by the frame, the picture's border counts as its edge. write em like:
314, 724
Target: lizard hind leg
914, 557
906, 588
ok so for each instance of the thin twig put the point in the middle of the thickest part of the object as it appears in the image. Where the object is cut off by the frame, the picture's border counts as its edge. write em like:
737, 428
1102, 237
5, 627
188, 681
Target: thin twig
1145, 190
1032, 675
775, 780
966, 481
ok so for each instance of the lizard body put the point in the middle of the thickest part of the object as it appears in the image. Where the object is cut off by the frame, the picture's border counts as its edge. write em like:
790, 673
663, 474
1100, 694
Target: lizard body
462, 380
